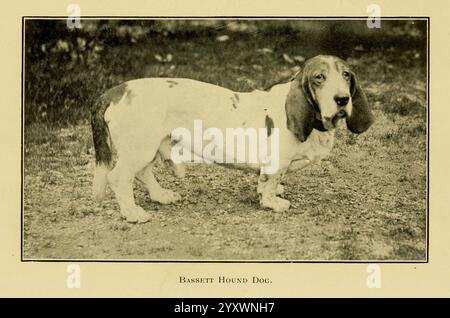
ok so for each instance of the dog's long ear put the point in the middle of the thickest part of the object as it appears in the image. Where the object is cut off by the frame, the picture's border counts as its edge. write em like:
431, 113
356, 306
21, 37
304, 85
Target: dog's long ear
300, 112
361, 117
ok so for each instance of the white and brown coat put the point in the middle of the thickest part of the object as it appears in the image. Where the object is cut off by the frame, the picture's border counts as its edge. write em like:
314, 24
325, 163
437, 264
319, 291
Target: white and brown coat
137, 118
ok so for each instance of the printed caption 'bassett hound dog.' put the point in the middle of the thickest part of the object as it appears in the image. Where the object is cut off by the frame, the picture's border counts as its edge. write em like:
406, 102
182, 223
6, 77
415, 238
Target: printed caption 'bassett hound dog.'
136, 119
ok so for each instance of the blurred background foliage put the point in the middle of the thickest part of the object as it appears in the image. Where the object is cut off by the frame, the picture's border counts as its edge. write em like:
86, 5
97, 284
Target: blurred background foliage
66, 69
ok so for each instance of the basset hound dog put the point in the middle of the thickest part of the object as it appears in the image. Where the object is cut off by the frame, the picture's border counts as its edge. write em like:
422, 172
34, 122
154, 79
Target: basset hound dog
137, 119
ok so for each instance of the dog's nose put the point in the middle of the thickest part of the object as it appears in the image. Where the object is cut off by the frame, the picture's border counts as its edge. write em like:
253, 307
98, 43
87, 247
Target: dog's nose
342, 99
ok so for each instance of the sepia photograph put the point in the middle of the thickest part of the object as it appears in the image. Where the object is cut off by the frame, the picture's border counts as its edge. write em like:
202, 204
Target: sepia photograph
240, 139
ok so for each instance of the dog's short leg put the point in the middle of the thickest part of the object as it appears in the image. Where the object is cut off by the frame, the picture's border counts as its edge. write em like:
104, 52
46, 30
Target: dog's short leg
164, 150
178, 169
268, 188
121, 182
157, 193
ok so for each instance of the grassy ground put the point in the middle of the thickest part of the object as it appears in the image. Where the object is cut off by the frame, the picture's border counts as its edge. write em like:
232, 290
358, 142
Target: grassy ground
366, 201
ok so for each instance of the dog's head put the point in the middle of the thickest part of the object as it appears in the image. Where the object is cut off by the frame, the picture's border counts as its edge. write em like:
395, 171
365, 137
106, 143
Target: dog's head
325, 91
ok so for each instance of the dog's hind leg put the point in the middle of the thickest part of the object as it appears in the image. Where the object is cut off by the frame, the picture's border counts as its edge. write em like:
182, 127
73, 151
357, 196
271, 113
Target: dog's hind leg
121, 182
134, 154
157, 193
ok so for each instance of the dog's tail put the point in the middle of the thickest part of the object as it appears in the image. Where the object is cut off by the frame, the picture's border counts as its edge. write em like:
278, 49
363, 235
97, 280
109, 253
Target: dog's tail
102, 145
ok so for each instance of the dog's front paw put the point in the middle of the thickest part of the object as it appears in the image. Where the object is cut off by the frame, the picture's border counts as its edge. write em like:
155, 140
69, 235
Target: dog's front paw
137, 215
275, 203
165, 196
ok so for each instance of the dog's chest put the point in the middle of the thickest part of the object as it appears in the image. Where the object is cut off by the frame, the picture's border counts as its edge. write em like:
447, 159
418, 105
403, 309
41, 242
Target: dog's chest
316, 147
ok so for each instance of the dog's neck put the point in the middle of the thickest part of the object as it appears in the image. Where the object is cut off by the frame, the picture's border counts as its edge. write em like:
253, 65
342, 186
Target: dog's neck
317, 123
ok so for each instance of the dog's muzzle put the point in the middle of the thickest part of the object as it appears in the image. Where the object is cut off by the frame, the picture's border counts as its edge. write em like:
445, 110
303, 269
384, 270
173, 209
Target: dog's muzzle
331, 122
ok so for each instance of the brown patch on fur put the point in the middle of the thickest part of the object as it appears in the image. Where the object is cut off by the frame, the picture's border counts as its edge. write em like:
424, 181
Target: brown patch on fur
172, 83
234, 100
269, 125
361, 117
100, 131
115, 94
341, 65
301, 108
129, 97
313, 66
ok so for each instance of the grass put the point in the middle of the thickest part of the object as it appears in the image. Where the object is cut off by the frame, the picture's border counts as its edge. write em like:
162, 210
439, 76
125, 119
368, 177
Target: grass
367, 201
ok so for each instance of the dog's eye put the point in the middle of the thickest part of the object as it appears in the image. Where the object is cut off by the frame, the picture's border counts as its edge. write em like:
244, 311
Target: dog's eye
319, 77
346, 75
